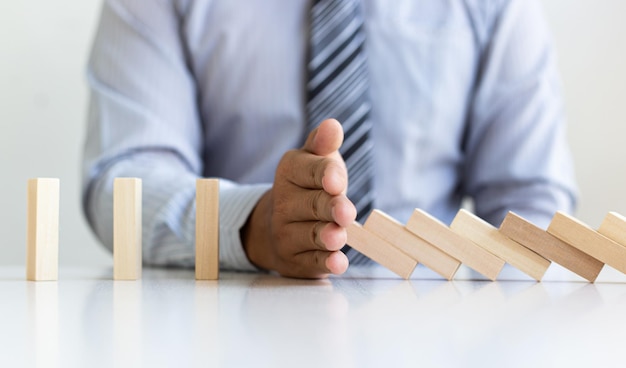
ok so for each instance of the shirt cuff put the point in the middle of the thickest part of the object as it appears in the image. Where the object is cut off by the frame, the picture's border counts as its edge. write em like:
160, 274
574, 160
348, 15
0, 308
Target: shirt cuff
236, 205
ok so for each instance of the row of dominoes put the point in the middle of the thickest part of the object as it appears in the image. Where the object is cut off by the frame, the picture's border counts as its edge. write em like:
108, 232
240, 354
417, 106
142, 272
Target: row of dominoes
485, 248
42, 244
468, 240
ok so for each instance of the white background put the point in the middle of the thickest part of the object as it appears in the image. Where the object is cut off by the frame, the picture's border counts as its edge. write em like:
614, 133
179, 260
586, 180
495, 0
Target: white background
43, 101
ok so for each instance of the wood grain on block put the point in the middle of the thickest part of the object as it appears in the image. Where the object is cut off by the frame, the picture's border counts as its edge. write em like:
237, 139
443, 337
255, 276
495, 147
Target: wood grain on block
583, 237
380, 251
207, 229
482, 233
127, 229
614, 227
438, 234
42, 236
550, 247
421, 251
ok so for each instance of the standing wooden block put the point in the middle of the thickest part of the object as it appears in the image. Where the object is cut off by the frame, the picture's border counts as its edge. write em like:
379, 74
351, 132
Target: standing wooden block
438, 234
421, 251
581, 236
207, 229
127, 229
614, 228
42, 236
488, 237
550, 247
380, 251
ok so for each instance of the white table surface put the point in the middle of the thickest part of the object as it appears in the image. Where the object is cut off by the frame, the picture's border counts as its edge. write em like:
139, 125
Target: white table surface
366, 318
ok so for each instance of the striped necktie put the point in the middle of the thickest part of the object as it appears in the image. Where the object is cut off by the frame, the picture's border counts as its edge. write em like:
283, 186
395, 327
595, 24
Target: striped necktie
337, 87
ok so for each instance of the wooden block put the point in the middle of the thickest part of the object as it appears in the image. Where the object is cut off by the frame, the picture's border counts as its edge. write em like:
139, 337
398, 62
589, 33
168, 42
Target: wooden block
438, 234
550, 247
380, 251
581, 236
421, 251
207, 229
42, 236
127, 229
614, 228
488, 237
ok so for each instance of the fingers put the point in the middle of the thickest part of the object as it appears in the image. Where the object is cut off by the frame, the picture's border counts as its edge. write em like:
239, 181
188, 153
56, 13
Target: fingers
306, 210
306, 170
313, 249
318, 264
325, 139
314, 235
316, 205
323, 167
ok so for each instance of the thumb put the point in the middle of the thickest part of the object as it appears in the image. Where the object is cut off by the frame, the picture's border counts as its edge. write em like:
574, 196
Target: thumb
325, 139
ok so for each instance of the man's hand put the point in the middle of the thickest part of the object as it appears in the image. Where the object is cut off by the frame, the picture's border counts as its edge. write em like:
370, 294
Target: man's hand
298, 227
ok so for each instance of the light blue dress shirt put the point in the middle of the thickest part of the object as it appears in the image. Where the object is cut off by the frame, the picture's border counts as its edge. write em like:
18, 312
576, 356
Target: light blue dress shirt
466, 104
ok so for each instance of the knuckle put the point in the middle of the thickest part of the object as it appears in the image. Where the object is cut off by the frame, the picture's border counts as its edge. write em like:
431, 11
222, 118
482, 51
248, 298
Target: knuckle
313, 172
314, 236
309, 264
317, 169
316, 203
285, 165
317, 259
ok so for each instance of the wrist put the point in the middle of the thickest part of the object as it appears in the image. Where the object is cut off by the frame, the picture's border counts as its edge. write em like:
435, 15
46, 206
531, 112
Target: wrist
255, 234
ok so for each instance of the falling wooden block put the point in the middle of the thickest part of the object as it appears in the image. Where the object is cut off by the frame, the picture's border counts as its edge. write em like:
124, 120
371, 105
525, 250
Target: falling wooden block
421, 251
581, 236
438, 234
614, 228
42, 237
207, 229
127, 229
550, 247
380, 251
488, 237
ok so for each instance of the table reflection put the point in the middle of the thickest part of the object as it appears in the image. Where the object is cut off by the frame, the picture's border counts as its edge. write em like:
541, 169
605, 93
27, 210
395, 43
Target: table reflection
127, 323
43, 310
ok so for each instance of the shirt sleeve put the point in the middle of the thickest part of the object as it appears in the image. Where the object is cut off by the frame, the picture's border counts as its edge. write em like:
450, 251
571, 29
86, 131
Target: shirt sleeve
144, 122
516, 150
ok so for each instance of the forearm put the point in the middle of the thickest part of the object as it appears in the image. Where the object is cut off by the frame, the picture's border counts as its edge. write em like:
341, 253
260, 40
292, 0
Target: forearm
517, 153
169, 210
535, 201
